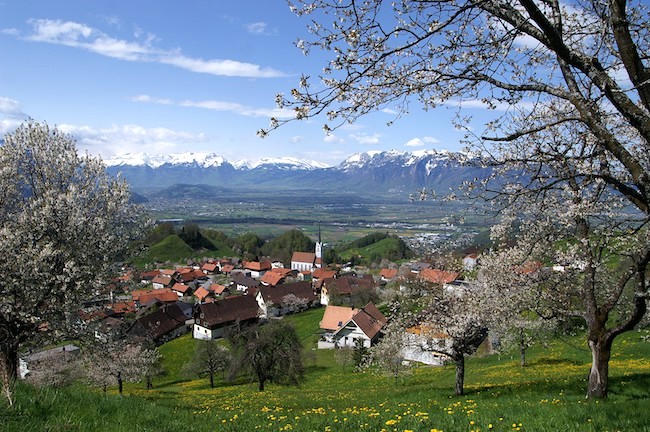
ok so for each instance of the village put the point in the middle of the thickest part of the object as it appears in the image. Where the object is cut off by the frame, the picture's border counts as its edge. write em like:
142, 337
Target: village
210, 298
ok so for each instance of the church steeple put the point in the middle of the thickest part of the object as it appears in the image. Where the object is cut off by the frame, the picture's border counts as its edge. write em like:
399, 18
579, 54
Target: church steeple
319, 249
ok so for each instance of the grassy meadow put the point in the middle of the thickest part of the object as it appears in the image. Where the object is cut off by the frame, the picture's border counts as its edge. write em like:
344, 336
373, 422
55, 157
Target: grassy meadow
547, 395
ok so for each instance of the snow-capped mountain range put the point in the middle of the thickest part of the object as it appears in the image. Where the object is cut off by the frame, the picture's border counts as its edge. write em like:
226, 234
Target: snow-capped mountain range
380, 170
206, 160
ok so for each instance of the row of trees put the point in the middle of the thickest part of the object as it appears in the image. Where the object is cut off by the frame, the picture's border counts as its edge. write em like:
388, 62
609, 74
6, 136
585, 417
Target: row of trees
569, 86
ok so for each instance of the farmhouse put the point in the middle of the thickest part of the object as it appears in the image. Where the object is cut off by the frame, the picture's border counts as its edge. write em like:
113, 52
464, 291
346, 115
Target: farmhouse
345, 287
163, 325
244, 283
286, 298
364, 324
212, 319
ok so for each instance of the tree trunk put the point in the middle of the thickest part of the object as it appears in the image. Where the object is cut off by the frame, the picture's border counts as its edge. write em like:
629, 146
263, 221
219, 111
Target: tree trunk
6, 379
149, 382
9, 359
599, 374
8, 369
119, 383
522, 351
460, 374
211, 379
261, 385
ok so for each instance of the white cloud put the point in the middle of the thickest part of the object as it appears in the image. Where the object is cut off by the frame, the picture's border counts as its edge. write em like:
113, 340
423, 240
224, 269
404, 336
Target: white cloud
366, 139
150, 99
118, 139
81, 36
332, 139
421, 142
389, 111
220, 67
11, 108
480, 104
10, 31
297, 139
240, 109
259, 28
222, 106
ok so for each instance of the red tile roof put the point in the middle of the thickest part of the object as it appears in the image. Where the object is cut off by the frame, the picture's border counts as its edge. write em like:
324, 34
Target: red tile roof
304, 257
335, 316
369, 319
201, 293
217, 288
181, 288
161, 295
272, 278
164, 280
210, 267
257, 266
439, 276
321, 273
388, 273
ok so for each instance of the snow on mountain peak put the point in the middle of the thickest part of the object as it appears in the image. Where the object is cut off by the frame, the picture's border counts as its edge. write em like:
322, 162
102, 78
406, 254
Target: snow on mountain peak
203, 159
287, 163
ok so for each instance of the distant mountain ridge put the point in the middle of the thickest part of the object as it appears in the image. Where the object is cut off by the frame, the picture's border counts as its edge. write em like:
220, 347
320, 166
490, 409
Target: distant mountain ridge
387, 171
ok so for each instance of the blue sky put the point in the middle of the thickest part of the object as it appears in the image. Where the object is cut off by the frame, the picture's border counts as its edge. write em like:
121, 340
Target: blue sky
159, 77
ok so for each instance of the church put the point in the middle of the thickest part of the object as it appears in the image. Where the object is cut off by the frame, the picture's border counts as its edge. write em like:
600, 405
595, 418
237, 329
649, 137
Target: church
309, 261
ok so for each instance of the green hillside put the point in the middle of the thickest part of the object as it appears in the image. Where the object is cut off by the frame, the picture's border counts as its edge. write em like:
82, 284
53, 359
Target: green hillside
372, 249
172, 248
548, 395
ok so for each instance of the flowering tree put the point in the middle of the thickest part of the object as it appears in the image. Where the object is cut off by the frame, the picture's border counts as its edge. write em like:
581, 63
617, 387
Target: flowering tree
567, 82
63, 223
388, 356
118, 361
596, 248
271, 352
208, 359
447, 322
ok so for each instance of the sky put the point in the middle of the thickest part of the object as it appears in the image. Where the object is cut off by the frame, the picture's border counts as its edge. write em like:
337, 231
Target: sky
163, 76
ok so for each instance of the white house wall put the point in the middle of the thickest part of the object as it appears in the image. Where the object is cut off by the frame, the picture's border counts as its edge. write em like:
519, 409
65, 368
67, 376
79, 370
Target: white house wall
204, 333
347, 336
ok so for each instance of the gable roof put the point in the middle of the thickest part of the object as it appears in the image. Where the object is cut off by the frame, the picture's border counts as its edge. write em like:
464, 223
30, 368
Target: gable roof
387, 273
201, 293
349, 284
162, 279
122, 307
217, 288
439, 276
272, 278
160, 322
304, 257
369, 320
210, 267
335, 316
164, 295
243, 280
257, 265
275, 295
181, 288
283, 271
321, 273
228, 310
